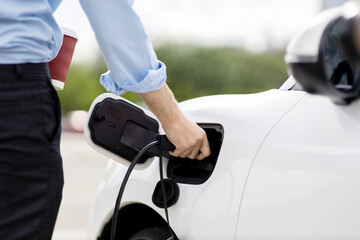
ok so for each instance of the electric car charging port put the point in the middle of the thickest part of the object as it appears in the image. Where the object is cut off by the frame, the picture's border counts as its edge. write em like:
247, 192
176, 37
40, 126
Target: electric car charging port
123, 129
191, 171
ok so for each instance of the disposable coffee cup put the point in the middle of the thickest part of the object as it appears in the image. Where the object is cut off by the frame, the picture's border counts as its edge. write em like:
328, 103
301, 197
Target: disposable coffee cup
59, 66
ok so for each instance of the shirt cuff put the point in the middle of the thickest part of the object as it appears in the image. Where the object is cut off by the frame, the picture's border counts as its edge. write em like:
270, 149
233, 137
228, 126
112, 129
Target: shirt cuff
154, 80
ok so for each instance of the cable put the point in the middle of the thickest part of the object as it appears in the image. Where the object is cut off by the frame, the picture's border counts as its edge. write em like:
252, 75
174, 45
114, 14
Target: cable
122, 188
163, 144
173, 237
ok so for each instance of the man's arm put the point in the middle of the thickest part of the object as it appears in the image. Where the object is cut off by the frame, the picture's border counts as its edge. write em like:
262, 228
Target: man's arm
126, 47
134, 67
189, 139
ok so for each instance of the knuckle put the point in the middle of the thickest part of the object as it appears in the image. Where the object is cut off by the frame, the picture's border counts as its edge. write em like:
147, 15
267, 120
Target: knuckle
189, 144
193, 141
199, 138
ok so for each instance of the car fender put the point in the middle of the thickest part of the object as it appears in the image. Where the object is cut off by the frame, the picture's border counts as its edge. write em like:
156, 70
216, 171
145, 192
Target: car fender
304, 183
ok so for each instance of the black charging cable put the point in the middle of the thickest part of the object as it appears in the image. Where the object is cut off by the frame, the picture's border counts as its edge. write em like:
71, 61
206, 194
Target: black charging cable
162, 145
162, 142
125, 180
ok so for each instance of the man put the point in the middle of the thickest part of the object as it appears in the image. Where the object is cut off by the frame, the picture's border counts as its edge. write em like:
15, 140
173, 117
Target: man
31, 177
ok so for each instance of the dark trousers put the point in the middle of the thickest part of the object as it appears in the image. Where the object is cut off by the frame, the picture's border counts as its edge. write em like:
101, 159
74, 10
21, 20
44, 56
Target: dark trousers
31, 175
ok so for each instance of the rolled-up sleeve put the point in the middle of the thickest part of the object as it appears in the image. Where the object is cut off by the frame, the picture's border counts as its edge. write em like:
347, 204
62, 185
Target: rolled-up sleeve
126, 47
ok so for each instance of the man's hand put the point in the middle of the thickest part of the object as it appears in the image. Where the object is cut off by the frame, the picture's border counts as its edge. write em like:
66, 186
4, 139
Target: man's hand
189, 139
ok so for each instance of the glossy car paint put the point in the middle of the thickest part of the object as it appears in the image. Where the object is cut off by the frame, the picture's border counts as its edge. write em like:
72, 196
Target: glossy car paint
304, 183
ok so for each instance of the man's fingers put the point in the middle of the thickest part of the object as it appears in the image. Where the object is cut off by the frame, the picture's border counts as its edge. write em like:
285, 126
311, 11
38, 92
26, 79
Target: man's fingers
183, 154
193, 146
173, 153
199, 151
204, 150
186, 153
195, 152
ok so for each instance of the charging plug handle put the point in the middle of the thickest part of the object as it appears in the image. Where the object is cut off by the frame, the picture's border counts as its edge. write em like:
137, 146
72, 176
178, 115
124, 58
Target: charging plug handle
164, 143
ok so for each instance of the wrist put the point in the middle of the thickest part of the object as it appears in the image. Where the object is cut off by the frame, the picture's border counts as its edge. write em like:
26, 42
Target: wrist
164, 105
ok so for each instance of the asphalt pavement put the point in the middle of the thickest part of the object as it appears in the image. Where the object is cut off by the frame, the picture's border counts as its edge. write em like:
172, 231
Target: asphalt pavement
83, 170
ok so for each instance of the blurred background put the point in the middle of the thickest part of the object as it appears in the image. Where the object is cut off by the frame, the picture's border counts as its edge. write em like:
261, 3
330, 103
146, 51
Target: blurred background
209, 47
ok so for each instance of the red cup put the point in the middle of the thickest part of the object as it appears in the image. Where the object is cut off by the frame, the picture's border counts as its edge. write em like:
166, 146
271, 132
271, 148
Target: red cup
59, 66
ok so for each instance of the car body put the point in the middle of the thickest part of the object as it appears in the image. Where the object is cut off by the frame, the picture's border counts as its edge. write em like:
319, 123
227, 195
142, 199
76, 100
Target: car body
288, 167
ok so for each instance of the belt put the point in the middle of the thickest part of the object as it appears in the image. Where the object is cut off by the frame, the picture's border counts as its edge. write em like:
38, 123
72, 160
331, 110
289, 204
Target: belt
24, 68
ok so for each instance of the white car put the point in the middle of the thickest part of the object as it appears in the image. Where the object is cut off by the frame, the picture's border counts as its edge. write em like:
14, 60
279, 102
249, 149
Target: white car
285, 163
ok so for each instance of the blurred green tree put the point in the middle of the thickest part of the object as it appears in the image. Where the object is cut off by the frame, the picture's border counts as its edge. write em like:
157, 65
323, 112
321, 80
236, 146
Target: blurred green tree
197, 71
192, 71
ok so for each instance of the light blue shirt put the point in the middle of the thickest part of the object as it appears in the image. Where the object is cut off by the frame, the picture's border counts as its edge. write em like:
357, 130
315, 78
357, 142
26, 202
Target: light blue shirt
29, 33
